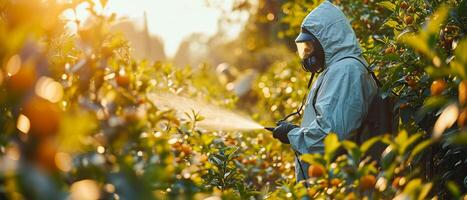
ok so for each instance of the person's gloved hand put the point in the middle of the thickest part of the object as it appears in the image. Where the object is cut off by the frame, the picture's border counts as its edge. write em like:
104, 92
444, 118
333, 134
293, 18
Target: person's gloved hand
281, 131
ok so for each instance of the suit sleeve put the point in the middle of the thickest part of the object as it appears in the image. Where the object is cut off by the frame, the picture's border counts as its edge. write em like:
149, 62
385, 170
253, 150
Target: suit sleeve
342, 102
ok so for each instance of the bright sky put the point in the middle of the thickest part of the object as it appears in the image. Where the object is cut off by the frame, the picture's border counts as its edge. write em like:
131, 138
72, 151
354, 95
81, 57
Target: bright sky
172, 20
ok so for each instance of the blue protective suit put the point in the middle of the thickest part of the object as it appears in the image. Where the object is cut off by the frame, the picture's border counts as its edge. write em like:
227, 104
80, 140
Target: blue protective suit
346, 88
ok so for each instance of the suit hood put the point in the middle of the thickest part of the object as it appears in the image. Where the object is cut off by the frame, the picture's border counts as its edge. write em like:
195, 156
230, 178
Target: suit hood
327, 23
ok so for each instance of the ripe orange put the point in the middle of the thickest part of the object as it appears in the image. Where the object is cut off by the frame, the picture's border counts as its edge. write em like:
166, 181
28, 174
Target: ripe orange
23, 80
131, 115
186, 149
367, 182
316, 170
43, 115
335, 182
403, 105
350, 196
404, 5
203, 158
176, 145
462, 119
438, 86
463, 92
122, 80
323, 183
311, 192
410, 81
408, 19
389, 50
395, 182
45, 154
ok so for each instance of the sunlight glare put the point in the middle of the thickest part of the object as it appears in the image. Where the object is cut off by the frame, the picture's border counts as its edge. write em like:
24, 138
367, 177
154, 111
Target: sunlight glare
23, 124
172, 20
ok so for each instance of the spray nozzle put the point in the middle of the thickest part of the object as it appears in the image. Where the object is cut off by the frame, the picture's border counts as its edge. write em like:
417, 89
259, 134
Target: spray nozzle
269, 128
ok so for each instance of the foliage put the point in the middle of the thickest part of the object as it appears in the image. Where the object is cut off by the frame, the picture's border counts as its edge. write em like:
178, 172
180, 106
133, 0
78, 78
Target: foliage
77, 120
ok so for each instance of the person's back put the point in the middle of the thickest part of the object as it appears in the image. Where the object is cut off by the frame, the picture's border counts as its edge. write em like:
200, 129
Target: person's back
339, 99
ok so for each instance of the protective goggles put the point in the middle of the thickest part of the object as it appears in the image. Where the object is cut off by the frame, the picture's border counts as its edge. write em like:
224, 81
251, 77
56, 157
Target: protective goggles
305, 43
305, 49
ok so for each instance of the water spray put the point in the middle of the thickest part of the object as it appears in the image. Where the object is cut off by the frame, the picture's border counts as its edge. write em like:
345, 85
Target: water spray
215, 118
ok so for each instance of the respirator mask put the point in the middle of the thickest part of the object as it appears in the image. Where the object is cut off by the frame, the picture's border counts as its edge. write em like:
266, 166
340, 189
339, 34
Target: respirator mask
310, 52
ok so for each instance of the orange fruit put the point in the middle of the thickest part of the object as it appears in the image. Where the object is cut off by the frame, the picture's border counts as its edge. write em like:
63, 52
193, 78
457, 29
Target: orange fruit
395, 182
176, 145
315, 170
461, 120
323, 183
463, 92
311, 192
141, 100
389, 50
203, 158
404, 105
44, 116
45, 154
186, 149
131, 115
350, 196
438, 86
122, 81
23, 80
408, 19
410, 81
106, 51
367, 182
404, 5
335, 182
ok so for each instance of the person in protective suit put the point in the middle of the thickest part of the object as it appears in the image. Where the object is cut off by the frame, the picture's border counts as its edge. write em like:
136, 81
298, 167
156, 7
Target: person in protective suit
339, 99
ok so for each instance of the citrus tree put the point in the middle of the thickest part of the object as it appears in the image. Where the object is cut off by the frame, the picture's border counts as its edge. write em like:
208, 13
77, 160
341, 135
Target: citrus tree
77, 119
417, 50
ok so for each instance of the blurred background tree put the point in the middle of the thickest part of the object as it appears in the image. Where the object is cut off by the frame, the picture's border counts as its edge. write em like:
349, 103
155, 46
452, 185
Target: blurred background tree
77, 121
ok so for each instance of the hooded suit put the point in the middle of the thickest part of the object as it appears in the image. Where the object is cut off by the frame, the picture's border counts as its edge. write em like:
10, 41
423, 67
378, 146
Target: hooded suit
339, 99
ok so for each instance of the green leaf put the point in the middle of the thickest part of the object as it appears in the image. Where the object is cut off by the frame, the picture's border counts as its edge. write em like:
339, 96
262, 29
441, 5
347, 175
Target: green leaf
369, 143
388, 5
436, 19
418, 42
454, 189
309, 158
412, 186
458, 68
409, 141
353, 150
215, 160
460, 139
349, 145
391, 24
420, 147
75, 127
401, 138
331, 143
434, 102
425, 190
460, 51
